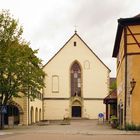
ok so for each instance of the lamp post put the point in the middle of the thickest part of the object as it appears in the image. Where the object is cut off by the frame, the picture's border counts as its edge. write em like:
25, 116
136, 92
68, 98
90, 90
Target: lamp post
133, 84
28, 96
0, 112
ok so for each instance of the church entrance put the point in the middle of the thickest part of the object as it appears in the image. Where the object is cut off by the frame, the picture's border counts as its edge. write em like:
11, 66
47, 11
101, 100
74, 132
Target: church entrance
76, 111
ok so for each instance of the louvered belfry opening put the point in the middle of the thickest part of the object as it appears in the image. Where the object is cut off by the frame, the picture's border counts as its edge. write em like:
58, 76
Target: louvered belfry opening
75, 79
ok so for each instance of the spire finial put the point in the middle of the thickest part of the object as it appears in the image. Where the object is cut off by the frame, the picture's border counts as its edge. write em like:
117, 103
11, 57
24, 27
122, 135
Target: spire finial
75, 28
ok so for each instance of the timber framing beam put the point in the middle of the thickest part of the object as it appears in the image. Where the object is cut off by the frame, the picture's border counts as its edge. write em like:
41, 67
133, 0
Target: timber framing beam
133, 36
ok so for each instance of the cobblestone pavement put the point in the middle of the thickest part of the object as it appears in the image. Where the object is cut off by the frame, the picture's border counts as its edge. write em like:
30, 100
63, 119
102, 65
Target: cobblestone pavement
82, 129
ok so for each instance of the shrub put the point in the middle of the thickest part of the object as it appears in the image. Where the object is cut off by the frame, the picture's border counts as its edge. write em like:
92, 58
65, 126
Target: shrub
114, 121
132, 127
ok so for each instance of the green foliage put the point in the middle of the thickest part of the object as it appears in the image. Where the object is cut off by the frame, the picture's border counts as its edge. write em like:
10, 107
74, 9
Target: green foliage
9, 29
20, 69
132, 127
113, 117
113, 86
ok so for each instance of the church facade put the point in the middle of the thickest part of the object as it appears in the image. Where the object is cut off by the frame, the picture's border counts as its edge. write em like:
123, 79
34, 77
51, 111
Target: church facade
76, 82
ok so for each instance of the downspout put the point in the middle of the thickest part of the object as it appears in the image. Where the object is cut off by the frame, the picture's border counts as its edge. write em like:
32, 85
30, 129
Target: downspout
125, 55
42, 104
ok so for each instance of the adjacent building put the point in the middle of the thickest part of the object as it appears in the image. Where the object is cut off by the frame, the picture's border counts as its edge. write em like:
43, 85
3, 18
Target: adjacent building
23, 111
127, 52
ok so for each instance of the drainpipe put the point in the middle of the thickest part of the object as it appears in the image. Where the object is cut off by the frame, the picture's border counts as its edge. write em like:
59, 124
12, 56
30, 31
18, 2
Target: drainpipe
125, 55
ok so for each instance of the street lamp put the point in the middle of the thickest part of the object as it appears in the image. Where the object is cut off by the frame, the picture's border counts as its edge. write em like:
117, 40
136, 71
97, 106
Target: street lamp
0, 112
132, 83
0, 101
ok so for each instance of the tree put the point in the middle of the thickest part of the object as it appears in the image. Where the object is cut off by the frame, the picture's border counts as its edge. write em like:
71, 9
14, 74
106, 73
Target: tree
113, 86
20, 69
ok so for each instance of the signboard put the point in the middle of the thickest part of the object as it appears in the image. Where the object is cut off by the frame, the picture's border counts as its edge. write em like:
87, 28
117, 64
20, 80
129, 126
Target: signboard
3, 110
100, 118
101, 115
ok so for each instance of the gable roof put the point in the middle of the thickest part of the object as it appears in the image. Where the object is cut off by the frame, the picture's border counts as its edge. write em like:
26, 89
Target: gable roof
123, 22
86, 46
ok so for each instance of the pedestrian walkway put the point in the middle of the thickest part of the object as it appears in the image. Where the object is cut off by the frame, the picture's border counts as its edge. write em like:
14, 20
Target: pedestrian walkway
4, 133
82, 127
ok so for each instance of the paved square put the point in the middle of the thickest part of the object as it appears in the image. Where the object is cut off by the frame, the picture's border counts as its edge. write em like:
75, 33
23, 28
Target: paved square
78, 129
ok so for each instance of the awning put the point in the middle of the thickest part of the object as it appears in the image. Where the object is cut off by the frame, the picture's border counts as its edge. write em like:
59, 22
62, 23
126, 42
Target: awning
111, 98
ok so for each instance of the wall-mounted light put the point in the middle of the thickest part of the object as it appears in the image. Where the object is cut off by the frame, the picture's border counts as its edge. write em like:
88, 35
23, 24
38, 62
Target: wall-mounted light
132, 83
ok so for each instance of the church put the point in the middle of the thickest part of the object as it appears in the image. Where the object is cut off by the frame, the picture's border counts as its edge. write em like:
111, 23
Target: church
76, 82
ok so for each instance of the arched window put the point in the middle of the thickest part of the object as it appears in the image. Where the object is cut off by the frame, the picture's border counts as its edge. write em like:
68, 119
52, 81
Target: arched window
75, 79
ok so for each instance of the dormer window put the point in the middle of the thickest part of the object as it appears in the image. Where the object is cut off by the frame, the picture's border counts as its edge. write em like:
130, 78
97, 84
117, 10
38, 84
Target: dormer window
74, 43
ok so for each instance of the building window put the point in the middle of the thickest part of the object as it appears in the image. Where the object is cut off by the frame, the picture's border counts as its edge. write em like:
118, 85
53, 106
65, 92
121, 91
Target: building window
74, 43
76, 79
55, 83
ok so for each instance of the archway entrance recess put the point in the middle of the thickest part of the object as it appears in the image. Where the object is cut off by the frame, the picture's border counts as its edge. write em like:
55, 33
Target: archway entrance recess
12, 110
32, 115
76, 111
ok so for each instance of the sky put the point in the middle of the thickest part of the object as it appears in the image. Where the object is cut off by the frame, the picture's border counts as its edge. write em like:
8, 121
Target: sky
48, 24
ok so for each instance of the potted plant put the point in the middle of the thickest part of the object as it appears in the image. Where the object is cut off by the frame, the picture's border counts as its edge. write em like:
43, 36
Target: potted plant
66, 121
114, 121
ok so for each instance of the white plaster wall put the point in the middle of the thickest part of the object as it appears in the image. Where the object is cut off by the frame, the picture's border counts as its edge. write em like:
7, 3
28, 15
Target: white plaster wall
56, 109
95, 80
92, 108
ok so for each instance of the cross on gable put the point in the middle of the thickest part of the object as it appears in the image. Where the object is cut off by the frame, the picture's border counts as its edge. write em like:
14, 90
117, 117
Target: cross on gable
75, 28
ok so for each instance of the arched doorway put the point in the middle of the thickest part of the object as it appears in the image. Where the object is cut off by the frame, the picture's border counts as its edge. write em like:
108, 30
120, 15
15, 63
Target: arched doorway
13, 111
32, 115
76, 109
75, 73
36, 115
39, 114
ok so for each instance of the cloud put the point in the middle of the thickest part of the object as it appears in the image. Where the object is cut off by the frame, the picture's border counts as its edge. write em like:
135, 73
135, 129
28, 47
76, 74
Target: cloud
49, 24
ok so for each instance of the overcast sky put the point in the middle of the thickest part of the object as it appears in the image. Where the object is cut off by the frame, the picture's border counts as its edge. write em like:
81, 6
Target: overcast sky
48, 24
